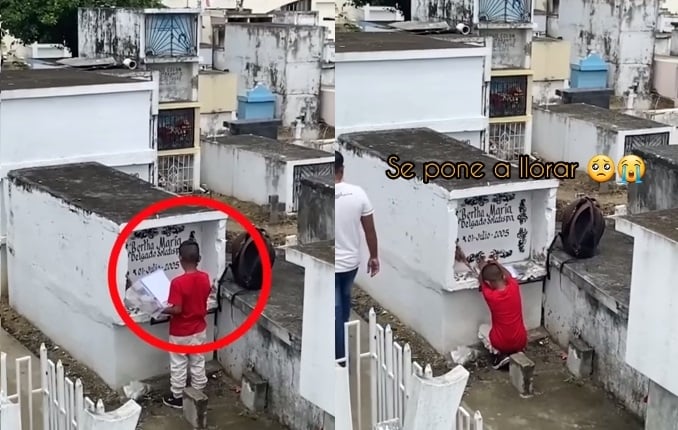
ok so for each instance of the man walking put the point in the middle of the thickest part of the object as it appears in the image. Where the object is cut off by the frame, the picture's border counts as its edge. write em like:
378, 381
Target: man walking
353, 213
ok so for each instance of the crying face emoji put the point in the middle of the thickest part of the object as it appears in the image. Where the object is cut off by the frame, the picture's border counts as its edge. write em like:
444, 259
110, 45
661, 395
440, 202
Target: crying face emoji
631, 169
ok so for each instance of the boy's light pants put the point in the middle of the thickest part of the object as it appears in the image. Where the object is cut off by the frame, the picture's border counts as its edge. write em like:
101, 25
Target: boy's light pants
182, 364
484, 336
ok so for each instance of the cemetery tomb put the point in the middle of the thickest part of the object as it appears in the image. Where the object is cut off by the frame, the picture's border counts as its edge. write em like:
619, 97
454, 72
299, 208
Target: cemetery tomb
62, 224
419, 221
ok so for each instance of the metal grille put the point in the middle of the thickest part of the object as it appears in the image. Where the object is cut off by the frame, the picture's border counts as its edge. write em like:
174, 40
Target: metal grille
508, 96
639, 140
171, 35
176, 129
504, 11
507, 140
322, 170
175, 173
298, 6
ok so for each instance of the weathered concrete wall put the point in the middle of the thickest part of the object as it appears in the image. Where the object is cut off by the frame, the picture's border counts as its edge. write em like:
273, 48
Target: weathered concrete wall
590, 300
659, 189
286, 58
511, 47
622, 31
272, 348
315, 219
178, 82
455, 11
544, 93
662, 408
104, 32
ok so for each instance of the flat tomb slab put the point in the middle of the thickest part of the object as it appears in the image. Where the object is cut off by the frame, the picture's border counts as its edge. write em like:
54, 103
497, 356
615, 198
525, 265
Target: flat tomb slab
433, 156
323, 251
284, 311
603, 118
98, 189
664, 222
607, 275
270, 148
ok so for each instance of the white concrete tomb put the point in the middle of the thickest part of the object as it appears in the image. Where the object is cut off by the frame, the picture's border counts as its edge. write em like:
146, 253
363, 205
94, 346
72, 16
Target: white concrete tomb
577, 132
62, 223
229, 165
419, 223
651, 341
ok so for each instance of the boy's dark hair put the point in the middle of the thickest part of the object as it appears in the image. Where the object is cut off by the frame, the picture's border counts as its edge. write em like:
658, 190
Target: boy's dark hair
338, 161
492, 273
189, 252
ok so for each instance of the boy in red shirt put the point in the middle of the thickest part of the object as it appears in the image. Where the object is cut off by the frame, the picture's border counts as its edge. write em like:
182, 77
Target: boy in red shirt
187, 326
501, 291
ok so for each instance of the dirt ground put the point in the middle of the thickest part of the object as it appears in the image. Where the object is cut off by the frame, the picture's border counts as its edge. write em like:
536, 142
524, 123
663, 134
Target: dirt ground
608, 195
259, 216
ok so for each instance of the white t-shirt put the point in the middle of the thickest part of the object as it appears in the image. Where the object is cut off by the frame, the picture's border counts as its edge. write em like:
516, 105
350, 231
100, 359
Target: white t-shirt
350, 204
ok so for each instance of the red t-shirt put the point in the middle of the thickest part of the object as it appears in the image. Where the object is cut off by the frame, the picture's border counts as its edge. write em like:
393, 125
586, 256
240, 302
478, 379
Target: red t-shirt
508, 333
190, 291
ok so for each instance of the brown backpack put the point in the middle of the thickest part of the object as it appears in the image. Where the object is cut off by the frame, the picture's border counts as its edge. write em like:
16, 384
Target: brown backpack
583, 226
246, 264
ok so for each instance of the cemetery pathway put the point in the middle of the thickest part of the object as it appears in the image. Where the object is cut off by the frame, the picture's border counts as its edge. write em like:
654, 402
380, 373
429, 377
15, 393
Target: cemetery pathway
560, 403
224, 411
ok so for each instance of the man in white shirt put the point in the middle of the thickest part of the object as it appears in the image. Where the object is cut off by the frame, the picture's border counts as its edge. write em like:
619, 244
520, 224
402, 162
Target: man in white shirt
353, 216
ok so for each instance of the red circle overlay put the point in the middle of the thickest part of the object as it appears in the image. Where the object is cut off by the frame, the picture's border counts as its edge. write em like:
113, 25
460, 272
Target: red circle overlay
174, 202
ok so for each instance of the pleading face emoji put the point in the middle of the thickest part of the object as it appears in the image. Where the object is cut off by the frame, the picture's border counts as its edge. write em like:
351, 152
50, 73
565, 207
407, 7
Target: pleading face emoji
600, 168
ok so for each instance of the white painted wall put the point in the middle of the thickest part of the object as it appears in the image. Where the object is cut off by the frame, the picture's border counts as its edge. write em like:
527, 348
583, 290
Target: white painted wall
434, 89
416, 270
60, 285
317, 348
651, 342
112, 128
559, 137
78, 124
228, 170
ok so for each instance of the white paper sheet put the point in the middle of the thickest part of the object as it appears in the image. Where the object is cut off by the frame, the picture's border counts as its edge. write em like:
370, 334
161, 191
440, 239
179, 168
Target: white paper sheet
158, 285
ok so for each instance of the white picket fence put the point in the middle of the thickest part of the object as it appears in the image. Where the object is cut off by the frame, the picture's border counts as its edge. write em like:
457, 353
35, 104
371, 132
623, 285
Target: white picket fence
391, 368
62, 400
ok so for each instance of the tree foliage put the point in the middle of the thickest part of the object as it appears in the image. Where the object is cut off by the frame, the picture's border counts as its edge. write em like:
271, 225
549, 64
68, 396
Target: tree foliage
402, 5
53, 21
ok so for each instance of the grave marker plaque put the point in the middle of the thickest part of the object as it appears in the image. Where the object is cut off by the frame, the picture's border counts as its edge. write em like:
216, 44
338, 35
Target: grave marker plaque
158, 248
498, 223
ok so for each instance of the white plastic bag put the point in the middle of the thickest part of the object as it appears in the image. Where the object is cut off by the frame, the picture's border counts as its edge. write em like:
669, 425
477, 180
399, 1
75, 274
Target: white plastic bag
463, 355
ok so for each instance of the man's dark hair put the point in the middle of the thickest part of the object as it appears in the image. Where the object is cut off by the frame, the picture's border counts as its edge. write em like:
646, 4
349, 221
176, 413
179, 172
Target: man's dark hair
492, 273
189, 252
338, 161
